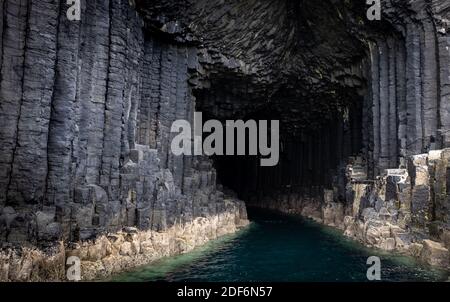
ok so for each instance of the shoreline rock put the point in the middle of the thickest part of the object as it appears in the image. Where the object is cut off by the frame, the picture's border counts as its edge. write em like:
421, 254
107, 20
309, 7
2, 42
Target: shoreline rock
393, 213
117, 252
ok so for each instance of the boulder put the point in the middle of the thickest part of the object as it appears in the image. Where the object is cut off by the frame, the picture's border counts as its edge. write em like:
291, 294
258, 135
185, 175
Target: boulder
435, 253
445, 237
99, 250
388, 244
333, 214
126, 249
435, 155
415, 249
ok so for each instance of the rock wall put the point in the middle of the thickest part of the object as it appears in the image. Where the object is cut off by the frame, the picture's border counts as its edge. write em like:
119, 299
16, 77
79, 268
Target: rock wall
409, 83
116, 252
406, 211
86, 108
85, 116
401, 113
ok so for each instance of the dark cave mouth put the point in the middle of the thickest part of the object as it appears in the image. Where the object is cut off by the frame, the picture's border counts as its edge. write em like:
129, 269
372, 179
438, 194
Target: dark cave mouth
316, 84
363, 109
230, 138
311, 154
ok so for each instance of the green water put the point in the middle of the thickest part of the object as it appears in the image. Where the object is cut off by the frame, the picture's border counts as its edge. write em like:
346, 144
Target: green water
281, 248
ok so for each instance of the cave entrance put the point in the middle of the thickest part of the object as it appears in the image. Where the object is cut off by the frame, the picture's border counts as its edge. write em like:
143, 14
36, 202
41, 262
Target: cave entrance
315, 147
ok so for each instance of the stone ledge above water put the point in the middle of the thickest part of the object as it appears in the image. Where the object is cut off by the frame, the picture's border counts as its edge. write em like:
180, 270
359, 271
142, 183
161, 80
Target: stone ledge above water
117, 252
403, 211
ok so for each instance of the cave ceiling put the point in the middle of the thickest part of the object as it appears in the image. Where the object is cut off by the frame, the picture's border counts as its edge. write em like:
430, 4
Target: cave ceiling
305, 59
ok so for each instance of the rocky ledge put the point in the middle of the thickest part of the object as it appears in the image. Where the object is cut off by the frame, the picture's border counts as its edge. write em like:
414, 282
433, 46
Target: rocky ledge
404, 211
117, 252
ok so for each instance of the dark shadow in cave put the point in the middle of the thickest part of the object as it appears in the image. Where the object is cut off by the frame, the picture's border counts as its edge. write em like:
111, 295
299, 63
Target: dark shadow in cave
311, 158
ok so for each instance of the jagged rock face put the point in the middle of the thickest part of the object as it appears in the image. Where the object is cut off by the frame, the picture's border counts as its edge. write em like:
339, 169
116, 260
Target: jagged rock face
86, 108
409, 82
280, 54
394, 81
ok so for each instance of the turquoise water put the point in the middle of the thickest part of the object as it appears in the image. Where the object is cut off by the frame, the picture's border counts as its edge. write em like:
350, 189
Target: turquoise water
281, 248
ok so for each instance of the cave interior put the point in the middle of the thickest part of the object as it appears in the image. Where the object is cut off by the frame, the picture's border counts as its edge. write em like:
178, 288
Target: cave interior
87, 107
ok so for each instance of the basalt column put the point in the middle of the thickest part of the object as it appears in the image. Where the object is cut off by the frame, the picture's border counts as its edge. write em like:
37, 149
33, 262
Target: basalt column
407, 79
86, 114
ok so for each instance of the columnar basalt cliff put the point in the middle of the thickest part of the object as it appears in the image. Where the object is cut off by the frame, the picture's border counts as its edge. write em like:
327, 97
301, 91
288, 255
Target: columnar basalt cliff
87, 106
86, 110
